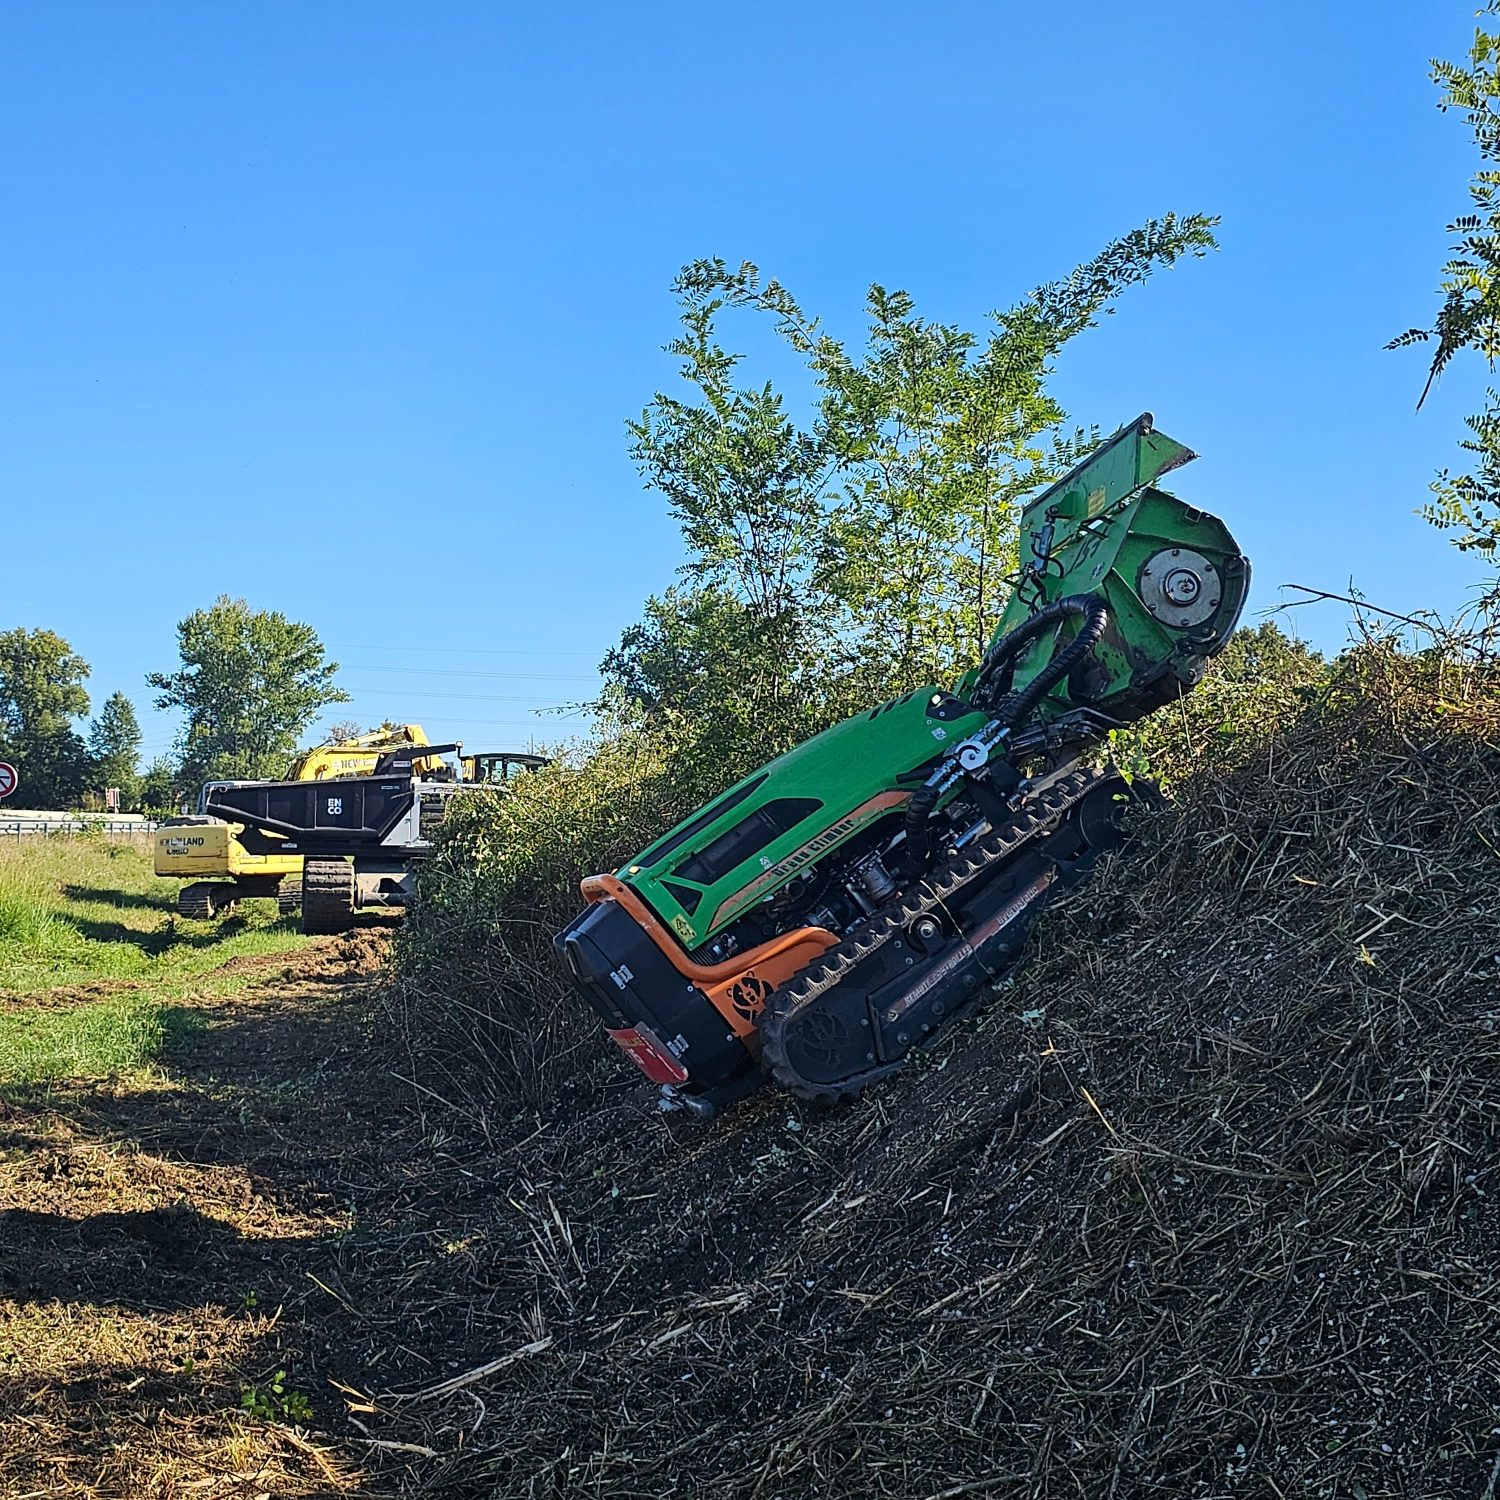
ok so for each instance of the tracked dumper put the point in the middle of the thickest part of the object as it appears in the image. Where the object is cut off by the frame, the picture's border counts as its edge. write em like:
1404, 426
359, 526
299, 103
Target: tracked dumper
361, 838
843, 906
222, 871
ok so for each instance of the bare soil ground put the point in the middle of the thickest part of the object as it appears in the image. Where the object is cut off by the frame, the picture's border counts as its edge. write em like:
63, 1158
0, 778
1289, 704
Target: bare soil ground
170, 1243
1241, 1240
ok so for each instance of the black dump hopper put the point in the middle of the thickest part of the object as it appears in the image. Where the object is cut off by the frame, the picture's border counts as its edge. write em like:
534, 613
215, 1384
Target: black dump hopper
361, 810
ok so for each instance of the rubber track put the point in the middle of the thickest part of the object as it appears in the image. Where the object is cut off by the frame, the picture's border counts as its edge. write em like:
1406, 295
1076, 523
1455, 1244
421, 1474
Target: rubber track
327, 895
196, 901
1036, 817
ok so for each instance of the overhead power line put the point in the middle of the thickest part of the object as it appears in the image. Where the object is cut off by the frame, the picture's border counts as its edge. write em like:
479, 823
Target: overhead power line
368, 688
473, 672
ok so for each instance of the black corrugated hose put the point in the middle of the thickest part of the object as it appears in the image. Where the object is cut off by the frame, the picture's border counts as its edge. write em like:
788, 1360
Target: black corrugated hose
1095, 614
1012, 710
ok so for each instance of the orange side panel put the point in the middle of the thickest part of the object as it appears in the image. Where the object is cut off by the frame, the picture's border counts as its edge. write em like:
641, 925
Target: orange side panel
738, 987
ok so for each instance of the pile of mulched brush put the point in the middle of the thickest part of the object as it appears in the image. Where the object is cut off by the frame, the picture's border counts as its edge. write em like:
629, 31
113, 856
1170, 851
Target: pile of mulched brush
1244, 1241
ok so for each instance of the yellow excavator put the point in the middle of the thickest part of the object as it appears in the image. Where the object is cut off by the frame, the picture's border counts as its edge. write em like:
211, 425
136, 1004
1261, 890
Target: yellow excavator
208, 853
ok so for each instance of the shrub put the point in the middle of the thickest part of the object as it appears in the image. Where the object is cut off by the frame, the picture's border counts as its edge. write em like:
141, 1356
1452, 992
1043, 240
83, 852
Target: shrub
480, 997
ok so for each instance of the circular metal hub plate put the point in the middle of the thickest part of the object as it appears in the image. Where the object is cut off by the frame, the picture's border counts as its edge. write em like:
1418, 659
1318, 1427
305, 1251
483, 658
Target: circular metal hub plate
1180, 587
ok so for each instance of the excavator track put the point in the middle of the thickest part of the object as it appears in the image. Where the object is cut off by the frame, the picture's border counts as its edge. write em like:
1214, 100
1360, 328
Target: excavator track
205, 899
802, 1017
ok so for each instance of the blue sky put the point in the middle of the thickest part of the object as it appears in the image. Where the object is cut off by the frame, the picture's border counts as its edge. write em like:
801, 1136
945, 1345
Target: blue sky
342, 307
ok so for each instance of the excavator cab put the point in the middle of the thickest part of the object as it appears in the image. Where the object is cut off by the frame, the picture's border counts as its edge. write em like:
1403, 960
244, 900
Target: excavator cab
497, 767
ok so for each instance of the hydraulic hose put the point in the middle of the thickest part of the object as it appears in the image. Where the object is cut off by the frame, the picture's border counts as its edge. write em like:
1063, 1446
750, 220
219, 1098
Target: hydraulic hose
1018, 709
917, 825
1013, 710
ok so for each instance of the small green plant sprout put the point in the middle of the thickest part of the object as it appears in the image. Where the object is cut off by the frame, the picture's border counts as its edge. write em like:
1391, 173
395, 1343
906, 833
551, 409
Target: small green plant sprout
275, 1402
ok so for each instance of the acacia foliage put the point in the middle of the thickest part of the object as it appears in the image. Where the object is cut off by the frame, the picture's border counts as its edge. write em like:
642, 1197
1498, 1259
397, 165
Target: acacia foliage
1468, 504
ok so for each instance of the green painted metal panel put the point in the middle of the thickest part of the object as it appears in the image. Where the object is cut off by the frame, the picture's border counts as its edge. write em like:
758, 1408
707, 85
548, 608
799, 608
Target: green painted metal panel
1103, 529
843, 771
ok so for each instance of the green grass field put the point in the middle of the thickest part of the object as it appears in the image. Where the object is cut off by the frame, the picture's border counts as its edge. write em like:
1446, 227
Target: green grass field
76, 913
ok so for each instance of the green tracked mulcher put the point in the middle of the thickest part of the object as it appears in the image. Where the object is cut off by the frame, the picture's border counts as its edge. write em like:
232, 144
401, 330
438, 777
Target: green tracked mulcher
844, 905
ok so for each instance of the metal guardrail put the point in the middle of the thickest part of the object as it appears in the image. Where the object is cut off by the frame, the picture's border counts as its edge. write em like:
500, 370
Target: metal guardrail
19, 828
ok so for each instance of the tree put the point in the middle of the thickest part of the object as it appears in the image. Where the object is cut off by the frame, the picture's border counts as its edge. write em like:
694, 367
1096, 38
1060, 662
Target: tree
41, 692
728, 684
250, 682
1469, 317
869, 549
898, 503
115, 749
158, 789
1266, 653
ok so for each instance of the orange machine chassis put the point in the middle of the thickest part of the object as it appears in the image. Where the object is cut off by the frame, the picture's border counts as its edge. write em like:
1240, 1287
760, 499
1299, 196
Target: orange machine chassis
737, 988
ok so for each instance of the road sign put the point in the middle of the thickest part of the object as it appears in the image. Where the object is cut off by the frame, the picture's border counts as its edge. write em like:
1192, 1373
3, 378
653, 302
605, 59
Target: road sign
7, 779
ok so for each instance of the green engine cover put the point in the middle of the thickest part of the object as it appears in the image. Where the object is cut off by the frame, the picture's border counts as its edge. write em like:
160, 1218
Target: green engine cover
1174, 582
714, 867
